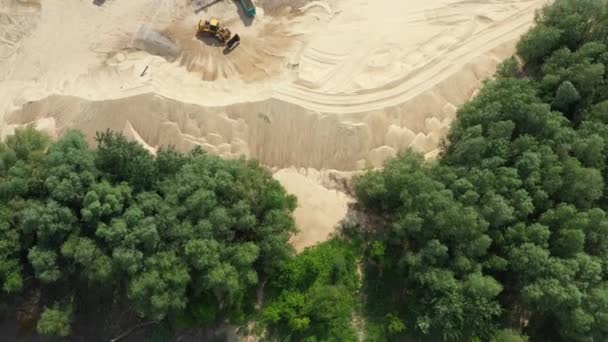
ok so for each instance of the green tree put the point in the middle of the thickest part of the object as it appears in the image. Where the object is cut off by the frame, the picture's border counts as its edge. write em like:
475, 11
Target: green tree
538, 43
25, 144
312, 298
71, 169
566, 97
178, 237
45, 264
505, 230
122, 160
509, 68
55, 321
507, 335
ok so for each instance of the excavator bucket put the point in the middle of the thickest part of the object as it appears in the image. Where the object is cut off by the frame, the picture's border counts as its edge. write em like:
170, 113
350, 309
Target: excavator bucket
233, 42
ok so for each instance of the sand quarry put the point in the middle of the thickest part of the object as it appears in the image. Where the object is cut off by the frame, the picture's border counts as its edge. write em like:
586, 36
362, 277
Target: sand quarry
316, 91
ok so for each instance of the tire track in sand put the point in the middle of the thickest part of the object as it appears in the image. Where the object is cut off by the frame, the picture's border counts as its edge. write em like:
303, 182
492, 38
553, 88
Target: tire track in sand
405, 88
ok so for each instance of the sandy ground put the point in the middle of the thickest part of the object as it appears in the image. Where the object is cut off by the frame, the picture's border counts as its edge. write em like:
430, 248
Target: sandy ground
329, 206
331, 84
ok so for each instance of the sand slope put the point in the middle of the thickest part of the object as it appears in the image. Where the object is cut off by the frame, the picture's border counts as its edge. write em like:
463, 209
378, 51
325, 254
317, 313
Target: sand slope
329, 206
395, 84
329, 84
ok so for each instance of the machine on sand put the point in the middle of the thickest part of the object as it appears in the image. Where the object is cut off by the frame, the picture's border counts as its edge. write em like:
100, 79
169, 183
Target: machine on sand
222, 34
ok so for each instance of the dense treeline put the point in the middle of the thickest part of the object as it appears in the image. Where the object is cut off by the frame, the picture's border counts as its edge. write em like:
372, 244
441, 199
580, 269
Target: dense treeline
506, 235
179, 239
314, 296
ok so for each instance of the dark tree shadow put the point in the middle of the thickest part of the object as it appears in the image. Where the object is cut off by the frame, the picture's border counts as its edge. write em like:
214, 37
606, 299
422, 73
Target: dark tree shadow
99, 2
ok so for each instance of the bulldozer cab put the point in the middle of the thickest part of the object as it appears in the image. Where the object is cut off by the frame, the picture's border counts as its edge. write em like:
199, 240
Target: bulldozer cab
214, 24
210, 26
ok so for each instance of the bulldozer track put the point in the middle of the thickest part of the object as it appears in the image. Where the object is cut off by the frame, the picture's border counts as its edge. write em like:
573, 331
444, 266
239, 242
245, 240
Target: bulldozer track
405, 88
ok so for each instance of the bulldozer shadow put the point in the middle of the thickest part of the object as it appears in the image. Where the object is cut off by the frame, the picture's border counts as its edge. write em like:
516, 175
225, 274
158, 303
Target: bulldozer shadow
208, 39
212, 41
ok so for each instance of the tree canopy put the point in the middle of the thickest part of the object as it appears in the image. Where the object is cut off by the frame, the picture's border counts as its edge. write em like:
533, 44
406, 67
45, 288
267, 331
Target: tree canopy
179, 237
505, 234
313, 297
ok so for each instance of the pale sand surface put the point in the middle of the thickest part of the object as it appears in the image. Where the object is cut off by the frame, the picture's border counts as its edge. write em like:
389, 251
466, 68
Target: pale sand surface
334, 84
320, 209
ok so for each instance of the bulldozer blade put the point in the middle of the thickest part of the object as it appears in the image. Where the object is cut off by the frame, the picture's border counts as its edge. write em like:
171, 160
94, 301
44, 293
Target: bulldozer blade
233, 42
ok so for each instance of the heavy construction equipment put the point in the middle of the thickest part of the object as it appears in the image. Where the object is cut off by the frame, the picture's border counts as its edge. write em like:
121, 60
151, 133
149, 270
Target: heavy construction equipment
248, 7
222, 34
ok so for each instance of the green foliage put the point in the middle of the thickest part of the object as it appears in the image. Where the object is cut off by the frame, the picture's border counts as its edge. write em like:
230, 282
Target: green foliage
82, 251
24, 144
22, 163
509, 68
161, 286
566, 96
506, 230
538, 43
508, 335
122, 160
444, 240
180, 236
70, 169
580, 21
55, 321
395, 325
22, 175
51, 223
312, 298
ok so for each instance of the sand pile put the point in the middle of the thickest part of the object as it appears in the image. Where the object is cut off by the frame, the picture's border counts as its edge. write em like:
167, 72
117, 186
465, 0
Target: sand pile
330, 84
154, 42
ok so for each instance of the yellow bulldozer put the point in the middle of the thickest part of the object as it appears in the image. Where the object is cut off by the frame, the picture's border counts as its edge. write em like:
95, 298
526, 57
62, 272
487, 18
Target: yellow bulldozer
222, 34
